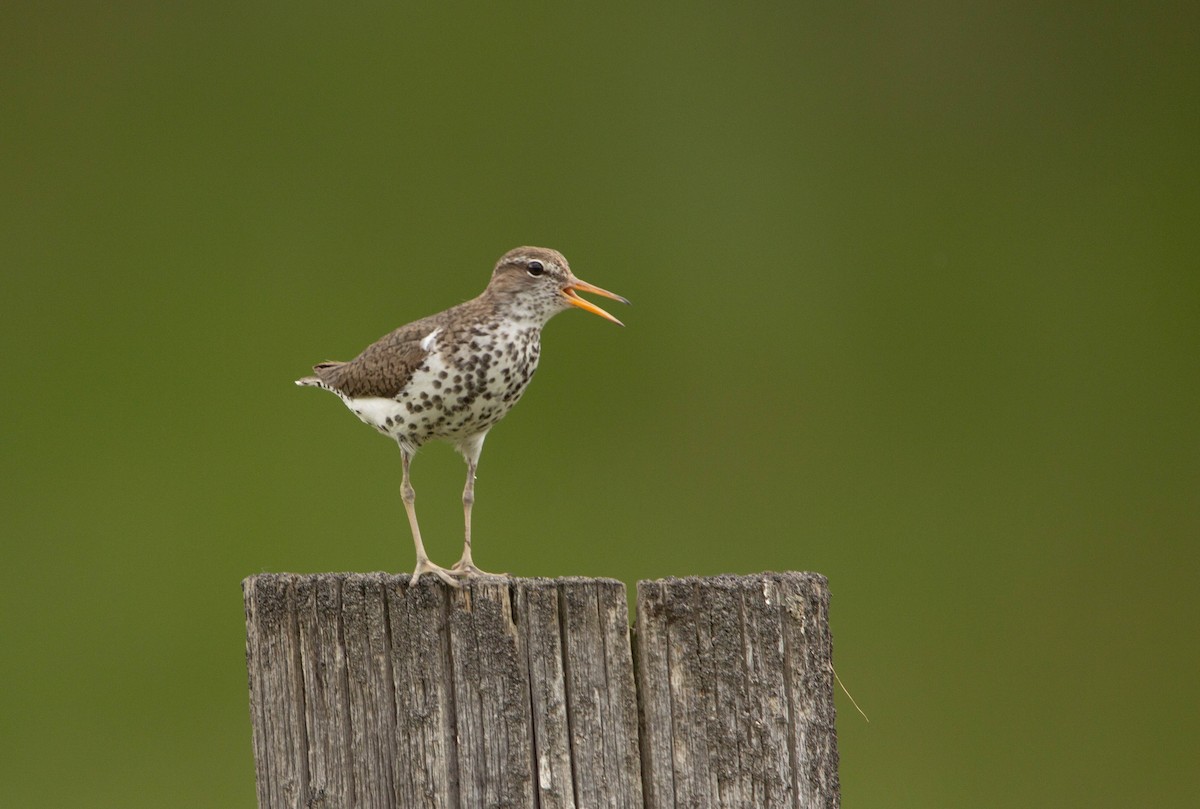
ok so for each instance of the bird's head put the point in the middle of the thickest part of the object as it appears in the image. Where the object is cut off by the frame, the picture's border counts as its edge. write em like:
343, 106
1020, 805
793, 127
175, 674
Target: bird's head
538, 282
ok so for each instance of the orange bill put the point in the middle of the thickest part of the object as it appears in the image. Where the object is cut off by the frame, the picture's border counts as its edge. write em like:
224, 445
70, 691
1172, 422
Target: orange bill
576, 285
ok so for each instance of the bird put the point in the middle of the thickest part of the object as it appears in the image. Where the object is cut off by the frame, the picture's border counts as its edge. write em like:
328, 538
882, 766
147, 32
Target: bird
453, 375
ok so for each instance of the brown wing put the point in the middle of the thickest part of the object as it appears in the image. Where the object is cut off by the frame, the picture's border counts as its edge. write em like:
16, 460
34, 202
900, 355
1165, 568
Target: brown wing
383, 368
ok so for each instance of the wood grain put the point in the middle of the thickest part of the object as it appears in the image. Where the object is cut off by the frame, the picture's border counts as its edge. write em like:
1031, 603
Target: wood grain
365, 692
735, 680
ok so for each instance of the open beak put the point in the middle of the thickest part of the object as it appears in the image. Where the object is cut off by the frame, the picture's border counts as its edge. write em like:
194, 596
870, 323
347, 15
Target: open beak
576, 285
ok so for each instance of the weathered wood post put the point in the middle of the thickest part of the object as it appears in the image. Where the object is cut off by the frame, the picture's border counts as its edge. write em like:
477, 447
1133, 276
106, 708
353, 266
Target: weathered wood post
365, 692
735, 684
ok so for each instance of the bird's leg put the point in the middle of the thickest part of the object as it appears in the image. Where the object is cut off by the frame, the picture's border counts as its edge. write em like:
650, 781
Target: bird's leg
423, 563
465, 566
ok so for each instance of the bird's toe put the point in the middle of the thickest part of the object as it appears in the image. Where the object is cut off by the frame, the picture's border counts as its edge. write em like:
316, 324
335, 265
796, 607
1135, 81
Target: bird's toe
425, 566
467, 570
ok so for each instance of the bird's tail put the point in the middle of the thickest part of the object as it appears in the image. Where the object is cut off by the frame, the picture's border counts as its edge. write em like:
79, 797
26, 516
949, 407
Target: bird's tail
316, 381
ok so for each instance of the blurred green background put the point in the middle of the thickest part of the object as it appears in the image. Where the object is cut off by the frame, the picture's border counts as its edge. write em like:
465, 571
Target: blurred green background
917, 306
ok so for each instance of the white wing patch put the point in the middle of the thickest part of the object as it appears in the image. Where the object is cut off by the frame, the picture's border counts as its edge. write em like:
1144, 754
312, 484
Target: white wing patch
428, 340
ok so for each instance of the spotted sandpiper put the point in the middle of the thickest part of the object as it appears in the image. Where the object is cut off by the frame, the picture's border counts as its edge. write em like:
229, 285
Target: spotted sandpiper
453, 375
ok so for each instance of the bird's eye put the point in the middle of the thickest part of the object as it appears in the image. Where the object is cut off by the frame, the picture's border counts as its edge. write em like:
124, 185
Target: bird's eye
535, 268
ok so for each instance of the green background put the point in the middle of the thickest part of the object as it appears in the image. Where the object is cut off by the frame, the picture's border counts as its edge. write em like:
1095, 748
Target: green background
916, 305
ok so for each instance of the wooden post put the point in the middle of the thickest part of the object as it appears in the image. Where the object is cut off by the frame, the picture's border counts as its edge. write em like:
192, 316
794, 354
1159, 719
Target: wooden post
735, 684
367, 693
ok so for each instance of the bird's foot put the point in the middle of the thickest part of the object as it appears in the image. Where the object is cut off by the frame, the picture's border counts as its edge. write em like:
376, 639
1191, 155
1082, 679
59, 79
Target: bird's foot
465, 569
426, 566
